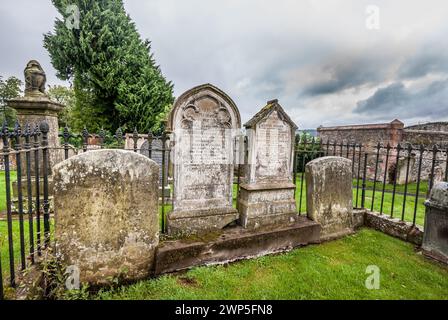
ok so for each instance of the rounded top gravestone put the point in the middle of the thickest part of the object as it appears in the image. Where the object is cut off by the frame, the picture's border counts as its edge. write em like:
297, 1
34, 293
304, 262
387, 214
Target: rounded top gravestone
203, 123
329, 195
439, 195
106, 214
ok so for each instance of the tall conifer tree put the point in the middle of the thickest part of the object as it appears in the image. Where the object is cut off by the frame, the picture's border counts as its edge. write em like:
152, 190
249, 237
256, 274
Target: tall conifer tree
114, 75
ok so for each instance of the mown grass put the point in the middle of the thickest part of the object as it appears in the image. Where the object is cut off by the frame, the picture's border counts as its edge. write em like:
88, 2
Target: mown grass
333, 270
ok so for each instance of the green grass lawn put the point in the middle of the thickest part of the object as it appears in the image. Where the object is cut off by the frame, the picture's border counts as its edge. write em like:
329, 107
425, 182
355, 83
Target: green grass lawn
333, 270
3, 188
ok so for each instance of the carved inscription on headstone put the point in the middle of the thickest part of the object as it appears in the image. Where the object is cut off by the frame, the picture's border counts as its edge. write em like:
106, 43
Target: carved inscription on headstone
267, 193
203, 123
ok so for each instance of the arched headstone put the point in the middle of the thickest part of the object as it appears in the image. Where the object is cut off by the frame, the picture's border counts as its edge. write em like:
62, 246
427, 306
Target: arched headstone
203, 123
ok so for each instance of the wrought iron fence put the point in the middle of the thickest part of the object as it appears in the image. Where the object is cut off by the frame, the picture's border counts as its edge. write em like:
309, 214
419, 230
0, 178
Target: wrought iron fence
26, 201
392, 180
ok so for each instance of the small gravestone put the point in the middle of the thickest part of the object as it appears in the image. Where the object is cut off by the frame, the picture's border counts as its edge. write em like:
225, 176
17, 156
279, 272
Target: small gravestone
106, 214
267, 192
203, 123
435, 238
329, 195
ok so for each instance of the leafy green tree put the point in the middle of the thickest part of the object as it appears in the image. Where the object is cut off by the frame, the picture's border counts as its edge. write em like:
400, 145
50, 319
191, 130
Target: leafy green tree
116, 80
9, 89
65, 96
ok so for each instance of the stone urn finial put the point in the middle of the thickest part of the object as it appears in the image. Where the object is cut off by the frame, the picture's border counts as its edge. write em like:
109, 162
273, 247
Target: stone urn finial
35, 80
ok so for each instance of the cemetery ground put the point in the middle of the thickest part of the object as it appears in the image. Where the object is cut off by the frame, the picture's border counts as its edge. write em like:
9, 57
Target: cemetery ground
333, 270
301, 206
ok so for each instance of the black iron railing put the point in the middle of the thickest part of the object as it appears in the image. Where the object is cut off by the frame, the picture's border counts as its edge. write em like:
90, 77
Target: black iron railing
392, 180
23, 153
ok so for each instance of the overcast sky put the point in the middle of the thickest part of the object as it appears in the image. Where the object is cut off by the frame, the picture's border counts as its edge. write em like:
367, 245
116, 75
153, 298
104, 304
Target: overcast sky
317, 57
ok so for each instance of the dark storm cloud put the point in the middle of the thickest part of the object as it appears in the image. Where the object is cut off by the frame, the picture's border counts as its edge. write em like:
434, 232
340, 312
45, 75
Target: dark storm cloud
396, 99
433, 59
316, 56
349, 72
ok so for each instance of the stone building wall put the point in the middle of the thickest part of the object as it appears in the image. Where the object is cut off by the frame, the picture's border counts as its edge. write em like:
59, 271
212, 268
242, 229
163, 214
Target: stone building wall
395, 133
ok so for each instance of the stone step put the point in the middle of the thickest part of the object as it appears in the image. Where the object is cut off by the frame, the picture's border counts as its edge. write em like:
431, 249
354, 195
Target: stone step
233, 244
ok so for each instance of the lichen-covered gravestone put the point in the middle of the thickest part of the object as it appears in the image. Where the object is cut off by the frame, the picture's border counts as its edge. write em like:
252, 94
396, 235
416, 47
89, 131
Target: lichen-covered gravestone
435, 238
267, 192
106, 214
203, 122
329, 197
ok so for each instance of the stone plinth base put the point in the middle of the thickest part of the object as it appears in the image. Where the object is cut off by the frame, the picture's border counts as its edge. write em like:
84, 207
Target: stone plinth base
264, 205
234, 244
200, 221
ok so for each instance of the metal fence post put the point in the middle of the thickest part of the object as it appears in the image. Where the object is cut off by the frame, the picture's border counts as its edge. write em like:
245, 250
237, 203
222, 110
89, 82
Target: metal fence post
364, 177
27, 147
135, 140
163, 181
17, 147
395, 180
417, 192
36, 134
435, 150
44, 129
6, 150
377, 159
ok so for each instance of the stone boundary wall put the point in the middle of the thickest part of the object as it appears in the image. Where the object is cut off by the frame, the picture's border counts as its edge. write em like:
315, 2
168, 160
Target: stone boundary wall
430, 126
369, 134
391, 226
426, 138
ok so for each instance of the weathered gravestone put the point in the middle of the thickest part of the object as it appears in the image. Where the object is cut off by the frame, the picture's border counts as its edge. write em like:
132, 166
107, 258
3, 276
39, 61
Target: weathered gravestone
435, 238
329, 195
106, 214
267, 193
203, 124
140, 143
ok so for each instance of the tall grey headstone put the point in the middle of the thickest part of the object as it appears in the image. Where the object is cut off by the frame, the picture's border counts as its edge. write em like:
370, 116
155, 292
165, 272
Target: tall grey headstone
435, 237
107, 215
329, 197
267, 192
203, 123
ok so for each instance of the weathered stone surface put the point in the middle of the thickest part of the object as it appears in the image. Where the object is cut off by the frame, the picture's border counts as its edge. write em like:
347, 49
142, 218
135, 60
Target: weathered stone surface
435, 240
234, 244
35, 79
106, 214
394, 227
358, 218
203, 123
267, 192
329, 195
